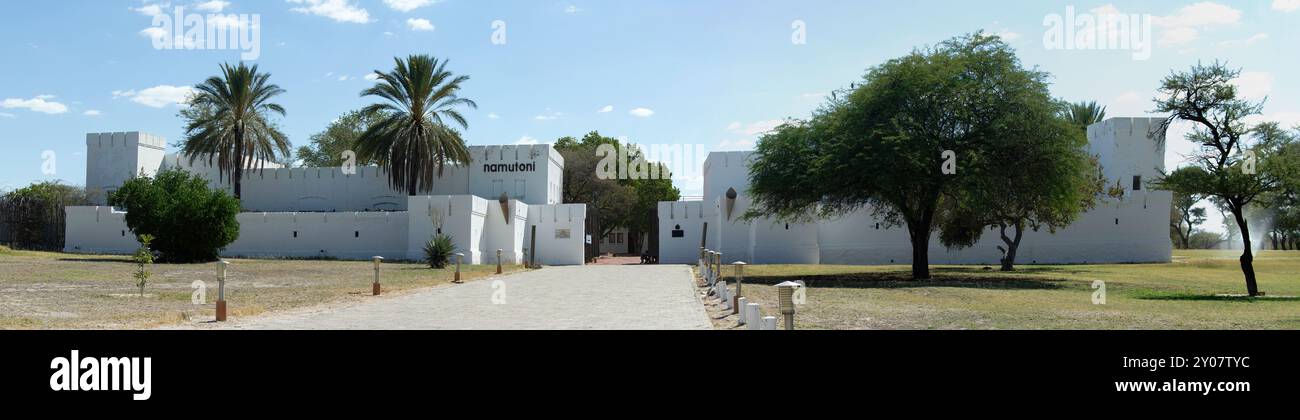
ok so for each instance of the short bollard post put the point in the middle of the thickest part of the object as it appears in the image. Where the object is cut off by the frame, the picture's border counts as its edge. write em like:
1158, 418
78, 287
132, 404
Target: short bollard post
459, 256
498, 261
374, 288
754, 315
785, 292
741, 302
740, 277
221, 290
768, 323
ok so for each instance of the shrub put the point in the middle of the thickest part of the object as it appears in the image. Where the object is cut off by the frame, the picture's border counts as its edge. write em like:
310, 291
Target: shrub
188, 221
437, 252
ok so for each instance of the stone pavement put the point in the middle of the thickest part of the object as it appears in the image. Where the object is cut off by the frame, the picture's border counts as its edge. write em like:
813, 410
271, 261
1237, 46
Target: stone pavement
573, 297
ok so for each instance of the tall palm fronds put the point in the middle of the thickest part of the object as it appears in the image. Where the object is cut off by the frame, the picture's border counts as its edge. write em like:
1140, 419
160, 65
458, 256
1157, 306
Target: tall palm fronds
1084, 114
414, 142
228, 123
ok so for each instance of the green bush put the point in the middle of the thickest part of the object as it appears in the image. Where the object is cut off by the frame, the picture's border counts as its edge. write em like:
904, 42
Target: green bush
438, 250
188, 221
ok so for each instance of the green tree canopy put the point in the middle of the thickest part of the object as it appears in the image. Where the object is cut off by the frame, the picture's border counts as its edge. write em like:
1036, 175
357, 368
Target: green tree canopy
883, 145
327, 147
188, 221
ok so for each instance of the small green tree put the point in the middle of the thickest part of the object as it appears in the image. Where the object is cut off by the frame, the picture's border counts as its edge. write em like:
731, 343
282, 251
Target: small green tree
1186, 216
188, 221
438, 250
143, 259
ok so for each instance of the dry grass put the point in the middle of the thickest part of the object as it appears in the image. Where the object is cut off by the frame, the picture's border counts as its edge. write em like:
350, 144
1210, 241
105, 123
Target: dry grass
1188, 293
73, 291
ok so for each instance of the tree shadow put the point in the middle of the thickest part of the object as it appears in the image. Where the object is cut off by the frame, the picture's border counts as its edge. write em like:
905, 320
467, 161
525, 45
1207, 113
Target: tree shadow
961, 278
99, 260
1213, 298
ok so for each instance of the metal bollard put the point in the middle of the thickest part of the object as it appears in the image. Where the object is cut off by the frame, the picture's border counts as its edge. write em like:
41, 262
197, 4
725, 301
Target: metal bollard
498, 261
221, 290
740, 276
375, 287
459, 257
785, 292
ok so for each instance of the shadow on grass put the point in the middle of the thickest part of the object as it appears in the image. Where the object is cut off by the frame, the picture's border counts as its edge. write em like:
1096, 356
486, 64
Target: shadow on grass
99, 260
1211, 298
963, 278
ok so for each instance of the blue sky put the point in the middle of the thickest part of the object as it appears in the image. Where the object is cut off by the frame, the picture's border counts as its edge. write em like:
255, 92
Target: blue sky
709, 72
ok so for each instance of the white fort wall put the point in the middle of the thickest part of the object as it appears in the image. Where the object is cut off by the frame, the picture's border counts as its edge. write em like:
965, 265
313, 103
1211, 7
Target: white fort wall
477, 227
324, 212
1132, 229
529, 173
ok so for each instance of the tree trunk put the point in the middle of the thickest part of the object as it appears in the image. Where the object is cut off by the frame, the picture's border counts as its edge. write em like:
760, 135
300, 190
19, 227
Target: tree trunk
920, 236
238, 173
1247, 258
1013, 244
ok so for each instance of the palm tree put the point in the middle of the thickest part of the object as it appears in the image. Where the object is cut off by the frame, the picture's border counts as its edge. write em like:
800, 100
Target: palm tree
413, 141
1084, 114
228, 122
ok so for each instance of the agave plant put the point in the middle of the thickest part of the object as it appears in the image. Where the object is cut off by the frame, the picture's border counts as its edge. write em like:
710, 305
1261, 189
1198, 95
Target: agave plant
438, 250
413, 142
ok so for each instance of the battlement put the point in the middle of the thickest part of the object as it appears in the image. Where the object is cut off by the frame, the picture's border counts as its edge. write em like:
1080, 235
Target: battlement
126, 139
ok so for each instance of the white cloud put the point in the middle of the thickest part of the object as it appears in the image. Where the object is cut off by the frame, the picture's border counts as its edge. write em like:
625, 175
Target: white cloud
494, 116
408, 5
1245, 42
526, 140
1186, 25
7, 115
371, 76
153, 32
1008, 35
214, 6
344, 78
607, 108
571, 9
92, 113
548, 116
338, 10
1286, 5
149, 10
641, 112
40, 103
158, 96
419, 24
1254, 85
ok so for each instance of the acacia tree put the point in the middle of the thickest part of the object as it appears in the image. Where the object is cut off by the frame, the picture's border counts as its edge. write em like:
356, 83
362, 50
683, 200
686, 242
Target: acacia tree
1038, 174
882, 146
327, 147
619, 202
1206, 97
1185, 216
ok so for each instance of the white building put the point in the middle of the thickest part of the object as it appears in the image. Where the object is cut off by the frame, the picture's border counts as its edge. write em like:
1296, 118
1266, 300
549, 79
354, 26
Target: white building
492, 203
1134, 229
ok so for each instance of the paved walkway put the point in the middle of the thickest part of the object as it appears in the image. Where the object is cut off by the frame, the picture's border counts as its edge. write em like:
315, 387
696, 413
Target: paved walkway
577, 297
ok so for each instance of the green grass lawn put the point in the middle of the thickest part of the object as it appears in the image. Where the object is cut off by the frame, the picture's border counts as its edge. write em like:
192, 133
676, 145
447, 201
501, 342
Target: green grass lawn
75, 291
1191, 292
